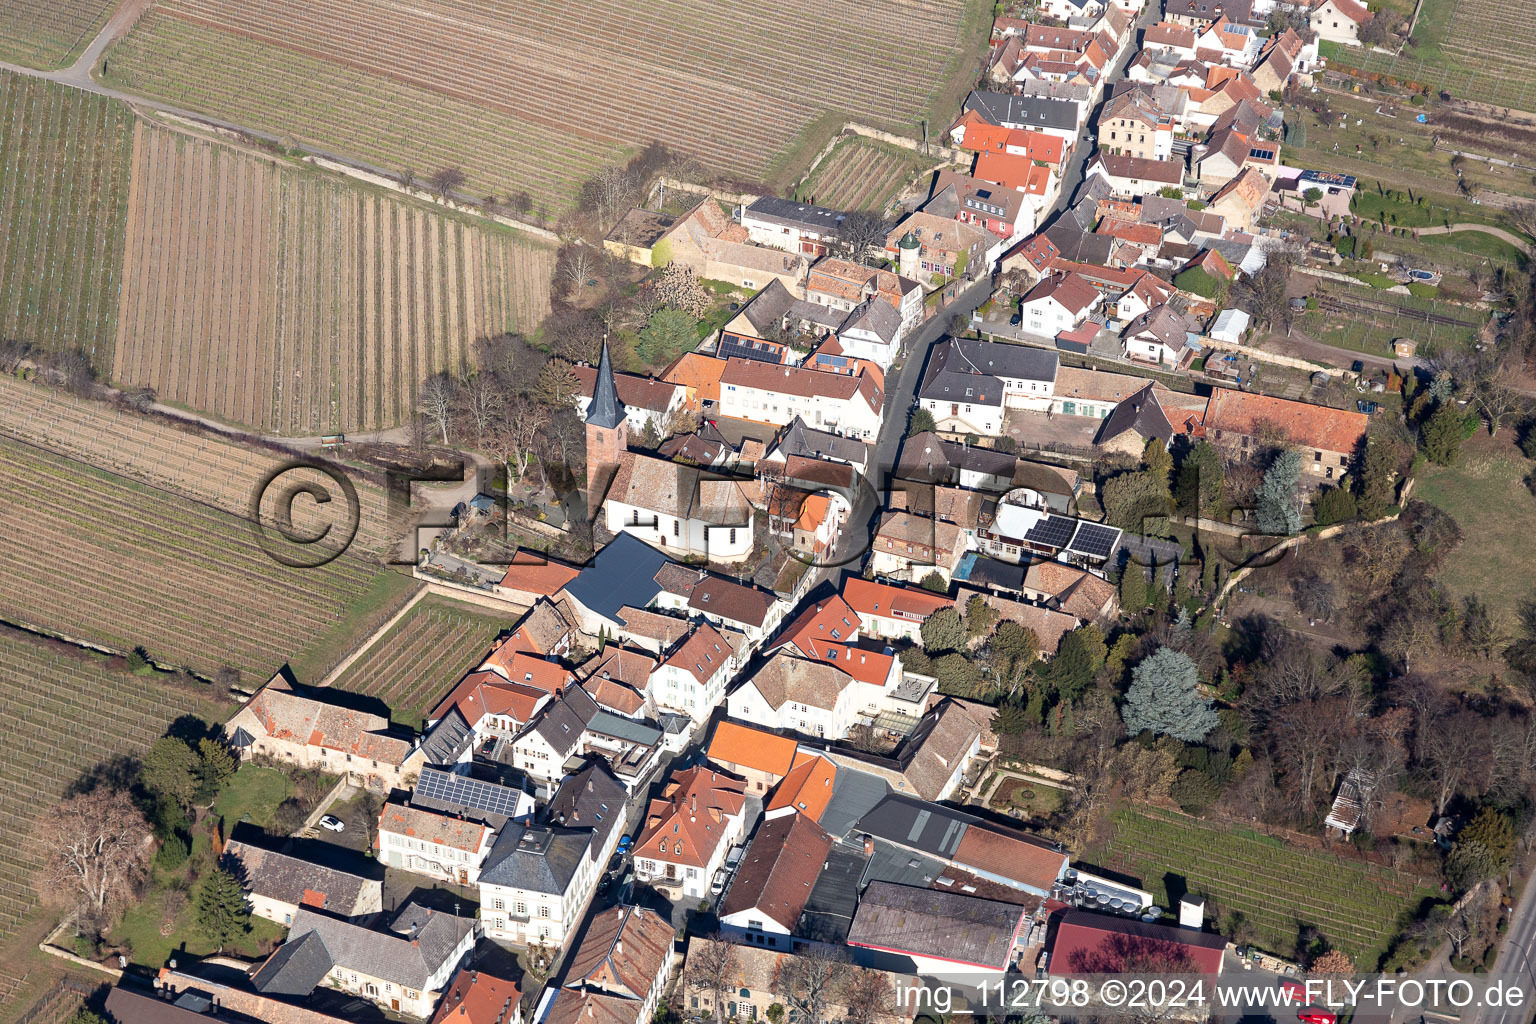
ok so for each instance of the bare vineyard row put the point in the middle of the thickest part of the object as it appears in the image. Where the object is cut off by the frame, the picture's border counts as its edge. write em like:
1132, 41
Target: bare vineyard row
426, 653
63, 189
198, 466
296, 303
695, 79
63, 717
47, 33
145, 567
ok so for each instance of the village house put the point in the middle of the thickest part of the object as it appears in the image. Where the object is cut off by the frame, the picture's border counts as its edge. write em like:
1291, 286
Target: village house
1169, 37
929, 248
296, 726
1052, 116
1140, 418
679, 508
761, 758
1134, 176
531, 575
542, 749
1241, 200
774, 881
1004, 212
1338, 21
1083, 942
776, 395
688, 831
624, 958
909, 547
1198, 14
473, 797
648, 402
1134, 125
403, 969
474, 997
799, 228
928, 459
1058, 304
719, 249
616, 678
729, 605
823, 697
692, 676
970, 384
427, 843
699, 377
278, 884
758, 330
1069, 589
1157, 336
491, 704
1229, 43
890, 612
1239, 421
842, 285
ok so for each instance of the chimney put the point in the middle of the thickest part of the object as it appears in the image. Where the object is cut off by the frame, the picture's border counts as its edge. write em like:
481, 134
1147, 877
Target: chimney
618, 946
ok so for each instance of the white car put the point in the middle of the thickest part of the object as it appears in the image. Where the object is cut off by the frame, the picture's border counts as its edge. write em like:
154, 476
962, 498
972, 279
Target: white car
331, 823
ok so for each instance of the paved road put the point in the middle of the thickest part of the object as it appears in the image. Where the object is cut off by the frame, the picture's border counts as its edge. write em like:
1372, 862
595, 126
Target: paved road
1516, 964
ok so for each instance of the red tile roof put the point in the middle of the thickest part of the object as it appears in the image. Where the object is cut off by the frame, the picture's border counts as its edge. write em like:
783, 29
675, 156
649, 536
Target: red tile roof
1073, 291
779, 869
537, 575
474, 997
1315, 426
489, 693
870, 597
832, 620
686, 824
757, 749
807, 788
1011, 855
702, 655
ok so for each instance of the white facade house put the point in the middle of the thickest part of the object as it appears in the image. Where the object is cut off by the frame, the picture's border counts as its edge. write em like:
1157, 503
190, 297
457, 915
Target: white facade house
817, 697
691, 679
425, 843
537, 881
776, 395
970, 385
679, 509
689, 829
794, 227
1059, 303
647, 401
1338, 21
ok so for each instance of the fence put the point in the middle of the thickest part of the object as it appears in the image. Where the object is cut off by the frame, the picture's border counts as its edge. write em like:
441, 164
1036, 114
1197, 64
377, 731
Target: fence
47, 1006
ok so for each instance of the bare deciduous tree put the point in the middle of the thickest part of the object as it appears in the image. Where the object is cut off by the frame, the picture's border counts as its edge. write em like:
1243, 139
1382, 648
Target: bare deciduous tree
577, 265
96, 845
511, 438
811, 978
447, 179
479, 402
439, 396
712, 965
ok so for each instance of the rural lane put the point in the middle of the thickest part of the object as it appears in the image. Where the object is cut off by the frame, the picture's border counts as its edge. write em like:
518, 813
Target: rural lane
1487, 229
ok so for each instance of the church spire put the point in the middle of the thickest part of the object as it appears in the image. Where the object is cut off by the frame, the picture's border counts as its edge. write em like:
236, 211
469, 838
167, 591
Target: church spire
606, 410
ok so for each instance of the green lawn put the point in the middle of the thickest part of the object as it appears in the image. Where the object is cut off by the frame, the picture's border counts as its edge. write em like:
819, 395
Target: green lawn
1277, 888
1486, 495
254, 791
141, 926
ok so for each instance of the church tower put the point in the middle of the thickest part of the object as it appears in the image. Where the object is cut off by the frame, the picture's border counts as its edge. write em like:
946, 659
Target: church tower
607, 435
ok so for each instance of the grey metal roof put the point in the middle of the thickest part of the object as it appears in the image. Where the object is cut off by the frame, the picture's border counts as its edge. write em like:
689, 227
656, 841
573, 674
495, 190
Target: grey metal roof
295, 967
917, 825
240, 738
853, 794
997, 574
606, 410
890, 863
609, 724
834, 897
1080, 246
1017, 362
448, 739
542, 859
476, 799
929, 922
622, 573
803, 215
1023, 111
799, 439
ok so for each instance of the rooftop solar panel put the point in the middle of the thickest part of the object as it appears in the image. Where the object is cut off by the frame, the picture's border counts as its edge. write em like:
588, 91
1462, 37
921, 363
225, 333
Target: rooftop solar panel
736, 350
1052, 531
1094, 540
445, 787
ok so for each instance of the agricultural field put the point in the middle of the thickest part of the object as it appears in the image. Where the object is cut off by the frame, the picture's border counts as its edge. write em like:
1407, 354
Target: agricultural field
201, 466
1277, 888
94, 555
1485, 493
64, 159
296, 303
65, 714
419, 660
521, 97
861, 174
50, 33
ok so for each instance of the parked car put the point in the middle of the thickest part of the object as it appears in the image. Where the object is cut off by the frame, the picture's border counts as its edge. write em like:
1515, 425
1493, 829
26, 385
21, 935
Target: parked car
717, 885
1357, 367
625, 842
1312, 1015
331, 823
1016, 320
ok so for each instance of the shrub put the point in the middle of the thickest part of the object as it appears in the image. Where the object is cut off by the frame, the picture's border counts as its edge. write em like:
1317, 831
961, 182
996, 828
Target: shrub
173, 852
1194, 791
1416, 99
289, 817
1335, 505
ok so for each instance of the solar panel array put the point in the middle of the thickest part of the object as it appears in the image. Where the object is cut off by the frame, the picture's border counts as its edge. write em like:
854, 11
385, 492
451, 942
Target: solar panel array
461, 791
1052, 531
1094, 540
736, 350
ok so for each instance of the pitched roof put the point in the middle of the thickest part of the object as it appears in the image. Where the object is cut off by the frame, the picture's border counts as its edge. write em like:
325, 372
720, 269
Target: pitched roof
590, 797
1022, 111
1250, 188
738, 602
1089, 943
757, 749
489, 693
945, 925
1163, 323
1078, 591
622, 573
284, 713
937, 753
687, 823
674, 489
542, 859
854, 282
702, 655
419, 941
798, 439
1096, 385
926, 536
1169, 172
623, 952
474, 997
794, 380
606, 410
1166, 33
633, 391
430, 827
288, 879
1241, 412
808, 787
1011, 855
871, 597
530, 670
699, 372
1073, 291
1356, 12
1050, 626
786, 679
536, 574
1016, 172
779, 869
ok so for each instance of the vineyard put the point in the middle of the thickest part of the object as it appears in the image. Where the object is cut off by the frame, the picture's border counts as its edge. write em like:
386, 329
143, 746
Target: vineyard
536, 96
65, 715
63, 193
1277, 888
205, 468
422, 656
296, 303
49, 33
861, 174
97, 556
